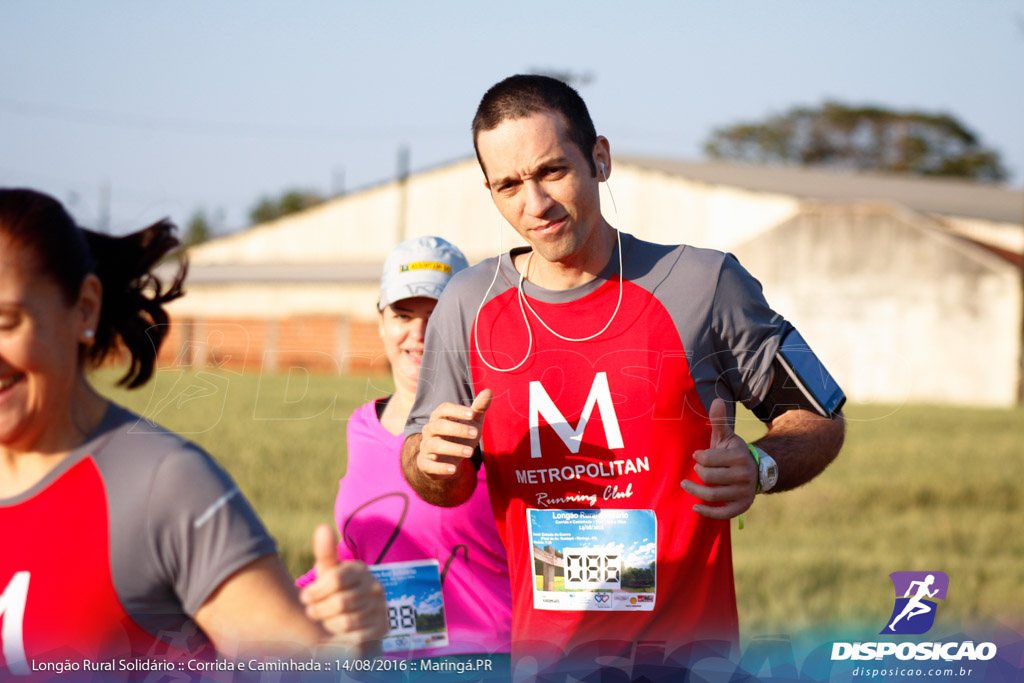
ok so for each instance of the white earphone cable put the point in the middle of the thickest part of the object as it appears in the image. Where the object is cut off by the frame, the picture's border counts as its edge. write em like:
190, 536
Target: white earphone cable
476, 318
523, 300
524, 304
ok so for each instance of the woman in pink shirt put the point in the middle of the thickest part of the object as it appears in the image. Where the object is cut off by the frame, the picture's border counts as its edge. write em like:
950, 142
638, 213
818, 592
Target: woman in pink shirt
421, 553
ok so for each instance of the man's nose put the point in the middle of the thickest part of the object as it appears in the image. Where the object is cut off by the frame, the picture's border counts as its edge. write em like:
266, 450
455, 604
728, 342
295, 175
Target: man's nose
538, 201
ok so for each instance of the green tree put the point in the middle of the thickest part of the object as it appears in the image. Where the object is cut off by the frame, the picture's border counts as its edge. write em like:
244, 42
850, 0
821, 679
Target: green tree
429, 623
637, 577
199, 229
866, 138
271, 208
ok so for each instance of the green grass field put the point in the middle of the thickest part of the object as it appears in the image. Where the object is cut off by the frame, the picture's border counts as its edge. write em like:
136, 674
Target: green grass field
538, 579
916, 488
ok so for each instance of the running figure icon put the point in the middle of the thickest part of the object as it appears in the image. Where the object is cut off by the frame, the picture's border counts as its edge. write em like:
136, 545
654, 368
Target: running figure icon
916, 605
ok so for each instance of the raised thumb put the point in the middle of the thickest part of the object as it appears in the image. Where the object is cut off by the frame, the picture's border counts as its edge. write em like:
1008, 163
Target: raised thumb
325, 551
481, 403
721, 431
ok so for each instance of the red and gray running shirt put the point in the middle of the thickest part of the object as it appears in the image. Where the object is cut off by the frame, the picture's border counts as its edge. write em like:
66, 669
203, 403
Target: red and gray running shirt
111, 554
585, 443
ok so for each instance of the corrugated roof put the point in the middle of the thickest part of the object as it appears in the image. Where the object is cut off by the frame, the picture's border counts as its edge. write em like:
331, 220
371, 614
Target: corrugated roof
930, 195
317, 273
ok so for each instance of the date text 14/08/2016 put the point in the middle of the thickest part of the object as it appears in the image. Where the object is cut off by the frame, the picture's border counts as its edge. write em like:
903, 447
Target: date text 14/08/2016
459, 666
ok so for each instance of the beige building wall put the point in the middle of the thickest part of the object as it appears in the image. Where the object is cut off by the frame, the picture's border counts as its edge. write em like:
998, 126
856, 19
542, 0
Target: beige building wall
897, 309
898, 306
1008, 236
453, 203
268, 300
667, 209
362, 227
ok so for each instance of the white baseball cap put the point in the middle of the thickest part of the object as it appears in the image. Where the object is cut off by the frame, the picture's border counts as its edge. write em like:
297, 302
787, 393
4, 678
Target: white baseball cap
421, 266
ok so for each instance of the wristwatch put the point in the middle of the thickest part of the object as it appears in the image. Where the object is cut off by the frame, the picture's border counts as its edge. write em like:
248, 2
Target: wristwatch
767, 469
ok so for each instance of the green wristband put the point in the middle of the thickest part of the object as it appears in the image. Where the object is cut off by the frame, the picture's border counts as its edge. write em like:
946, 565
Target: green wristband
757, 461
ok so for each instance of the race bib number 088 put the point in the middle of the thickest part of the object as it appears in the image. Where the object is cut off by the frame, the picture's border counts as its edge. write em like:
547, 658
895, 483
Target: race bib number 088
593, 559
592, 569
416, 616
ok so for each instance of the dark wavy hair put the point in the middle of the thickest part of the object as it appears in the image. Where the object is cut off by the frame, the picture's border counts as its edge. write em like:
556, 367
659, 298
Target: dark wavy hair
132, 312
519, 96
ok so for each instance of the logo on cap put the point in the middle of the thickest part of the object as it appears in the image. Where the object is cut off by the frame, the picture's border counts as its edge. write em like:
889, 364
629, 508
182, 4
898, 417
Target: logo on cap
424, 265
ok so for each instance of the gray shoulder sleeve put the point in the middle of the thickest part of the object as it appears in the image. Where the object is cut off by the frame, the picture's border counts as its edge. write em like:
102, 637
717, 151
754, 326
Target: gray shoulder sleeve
178, 525
202, 527
746, 333
445, 374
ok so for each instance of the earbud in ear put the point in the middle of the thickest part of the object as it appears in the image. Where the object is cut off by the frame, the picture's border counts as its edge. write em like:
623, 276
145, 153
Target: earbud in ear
604, 175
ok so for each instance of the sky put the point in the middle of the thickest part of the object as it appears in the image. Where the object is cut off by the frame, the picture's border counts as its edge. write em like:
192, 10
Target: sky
163, 109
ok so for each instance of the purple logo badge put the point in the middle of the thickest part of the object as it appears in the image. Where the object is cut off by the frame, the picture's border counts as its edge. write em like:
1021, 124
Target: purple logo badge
917, 594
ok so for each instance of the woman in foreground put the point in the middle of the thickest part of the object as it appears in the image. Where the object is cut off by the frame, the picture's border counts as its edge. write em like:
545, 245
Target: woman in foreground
118, 535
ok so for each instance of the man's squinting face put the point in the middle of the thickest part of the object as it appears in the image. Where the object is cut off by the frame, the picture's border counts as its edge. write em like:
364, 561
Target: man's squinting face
543, 185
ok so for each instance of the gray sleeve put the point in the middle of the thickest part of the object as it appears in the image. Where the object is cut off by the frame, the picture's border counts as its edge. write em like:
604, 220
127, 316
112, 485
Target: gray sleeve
445, 374
201, 526
746, 333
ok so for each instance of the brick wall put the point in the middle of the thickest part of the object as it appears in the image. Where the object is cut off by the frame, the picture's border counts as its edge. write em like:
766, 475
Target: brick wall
365, 349
323, 344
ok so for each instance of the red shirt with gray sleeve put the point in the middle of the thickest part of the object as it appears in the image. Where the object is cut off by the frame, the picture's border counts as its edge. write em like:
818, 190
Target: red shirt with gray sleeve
586, 442
111, 554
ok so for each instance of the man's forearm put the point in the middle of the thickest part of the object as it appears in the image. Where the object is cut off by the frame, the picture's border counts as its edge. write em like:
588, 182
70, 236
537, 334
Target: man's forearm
443, 492
803, 444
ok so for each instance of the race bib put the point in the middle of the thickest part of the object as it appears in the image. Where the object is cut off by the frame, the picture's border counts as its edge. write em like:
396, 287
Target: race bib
415, 605
593, 559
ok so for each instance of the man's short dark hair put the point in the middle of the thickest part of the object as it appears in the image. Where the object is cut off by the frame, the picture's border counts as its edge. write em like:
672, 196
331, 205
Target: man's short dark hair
519, 96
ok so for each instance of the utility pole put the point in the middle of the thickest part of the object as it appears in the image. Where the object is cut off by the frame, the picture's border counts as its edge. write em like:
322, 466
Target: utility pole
103, 219
338, 181
1020, 341
403, 191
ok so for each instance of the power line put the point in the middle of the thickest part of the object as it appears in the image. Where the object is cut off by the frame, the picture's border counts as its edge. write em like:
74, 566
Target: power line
151, 124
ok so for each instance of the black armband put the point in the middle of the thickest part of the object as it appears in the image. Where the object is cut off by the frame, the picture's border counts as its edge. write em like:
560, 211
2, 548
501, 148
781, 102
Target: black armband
799, 382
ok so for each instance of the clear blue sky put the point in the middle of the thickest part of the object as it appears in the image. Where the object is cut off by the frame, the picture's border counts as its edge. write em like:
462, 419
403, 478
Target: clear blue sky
186, 105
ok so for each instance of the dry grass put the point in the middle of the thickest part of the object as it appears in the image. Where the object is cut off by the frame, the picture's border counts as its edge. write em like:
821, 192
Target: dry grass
916, 488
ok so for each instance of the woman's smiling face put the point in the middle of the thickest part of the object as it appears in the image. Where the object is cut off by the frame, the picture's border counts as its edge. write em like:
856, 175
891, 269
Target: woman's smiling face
403, 328
39, 351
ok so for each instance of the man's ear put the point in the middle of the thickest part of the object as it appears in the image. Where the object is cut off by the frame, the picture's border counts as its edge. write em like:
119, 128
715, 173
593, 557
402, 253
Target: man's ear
602, 155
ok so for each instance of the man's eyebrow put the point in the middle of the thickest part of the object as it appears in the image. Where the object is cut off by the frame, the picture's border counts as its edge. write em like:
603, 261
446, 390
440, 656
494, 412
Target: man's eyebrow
498, 182
546, 163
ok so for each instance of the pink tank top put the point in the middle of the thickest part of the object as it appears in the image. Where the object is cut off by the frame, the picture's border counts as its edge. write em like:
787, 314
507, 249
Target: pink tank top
381, 520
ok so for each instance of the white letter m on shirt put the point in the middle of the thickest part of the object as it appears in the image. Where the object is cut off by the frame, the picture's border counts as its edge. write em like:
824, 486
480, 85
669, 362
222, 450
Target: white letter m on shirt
542, 405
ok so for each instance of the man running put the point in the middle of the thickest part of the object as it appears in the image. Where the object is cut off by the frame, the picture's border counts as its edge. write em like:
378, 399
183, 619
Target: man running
608, 368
